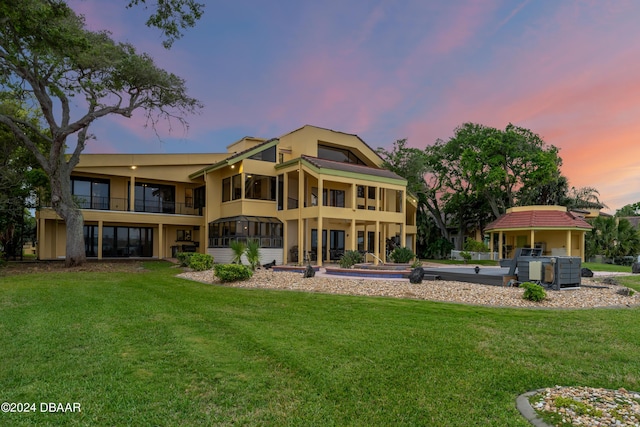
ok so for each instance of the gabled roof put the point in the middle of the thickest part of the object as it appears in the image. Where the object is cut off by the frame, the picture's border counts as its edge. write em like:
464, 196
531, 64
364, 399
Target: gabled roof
336, 131
236, 157
351, 168
528, 219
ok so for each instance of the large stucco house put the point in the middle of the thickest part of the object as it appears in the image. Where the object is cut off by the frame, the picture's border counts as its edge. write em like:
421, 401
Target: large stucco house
309, 194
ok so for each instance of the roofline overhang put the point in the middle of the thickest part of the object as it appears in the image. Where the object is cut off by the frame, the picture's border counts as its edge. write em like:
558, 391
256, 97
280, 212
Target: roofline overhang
343, 174
235, 158
538, 229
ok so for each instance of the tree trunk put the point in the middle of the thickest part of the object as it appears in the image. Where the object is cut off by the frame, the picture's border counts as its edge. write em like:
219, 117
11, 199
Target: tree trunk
65, 206
75, 255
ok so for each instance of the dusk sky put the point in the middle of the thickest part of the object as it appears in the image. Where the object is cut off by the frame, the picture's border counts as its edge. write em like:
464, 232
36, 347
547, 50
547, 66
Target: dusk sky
416, 69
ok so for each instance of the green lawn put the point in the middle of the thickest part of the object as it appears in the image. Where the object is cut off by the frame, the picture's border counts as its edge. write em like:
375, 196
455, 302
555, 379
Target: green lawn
147, 348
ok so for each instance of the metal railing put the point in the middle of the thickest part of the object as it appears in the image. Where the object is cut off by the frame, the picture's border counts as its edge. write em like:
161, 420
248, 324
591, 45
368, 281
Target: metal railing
122, 205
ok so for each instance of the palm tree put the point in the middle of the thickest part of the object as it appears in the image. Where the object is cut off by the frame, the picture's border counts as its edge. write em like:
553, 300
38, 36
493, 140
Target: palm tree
584, 198
613, 238
238, 248
253, 253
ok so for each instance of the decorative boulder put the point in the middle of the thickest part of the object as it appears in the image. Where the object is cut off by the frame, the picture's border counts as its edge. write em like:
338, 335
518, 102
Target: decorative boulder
269, 264
308, 272
585, 272
627, 292
416, 275
635, 268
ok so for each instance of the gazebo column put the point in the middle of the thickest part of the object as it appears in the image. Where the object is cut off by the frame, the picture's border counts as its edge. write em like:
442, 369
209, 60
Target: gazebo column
568, 243
500, 253
491, 245
533, 238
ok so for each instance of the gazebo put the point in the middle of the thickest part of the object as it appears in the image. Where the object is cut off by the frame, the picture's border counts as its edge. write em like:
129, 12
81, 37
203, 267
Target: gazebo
553, 229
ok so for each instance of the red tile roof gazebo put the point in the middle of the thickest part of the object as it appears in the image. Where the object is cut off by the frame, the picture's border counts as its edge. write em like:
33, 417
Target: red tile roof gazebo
551, 228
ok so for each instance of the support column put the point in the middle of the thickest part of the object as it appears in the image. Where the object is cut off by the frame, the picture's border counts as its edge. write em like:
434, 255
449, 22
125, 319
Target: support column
285, 192
160, 241
354, 192
384, 235
300, 207
300, 242
568, 243
285, 239
491, 245
319, 251
41, 237
376, 244
100, 224
533, 239
132, 194
353, 243
500, 245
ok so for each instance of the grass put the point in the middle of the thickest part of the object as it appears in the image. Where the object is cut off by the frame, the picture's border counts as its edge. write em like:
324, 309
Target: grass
147, 348
597, 266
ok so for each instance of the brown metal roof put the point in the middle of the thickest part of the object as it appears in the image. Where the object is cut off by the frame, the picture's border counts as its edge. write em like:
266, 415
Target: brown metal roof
350, 167
538, 219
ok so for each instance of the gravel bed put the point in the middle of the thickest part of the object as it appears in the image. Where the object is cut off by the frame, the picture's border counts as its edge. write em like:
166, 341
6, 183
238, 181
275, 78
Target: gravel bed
587, 406
438, 290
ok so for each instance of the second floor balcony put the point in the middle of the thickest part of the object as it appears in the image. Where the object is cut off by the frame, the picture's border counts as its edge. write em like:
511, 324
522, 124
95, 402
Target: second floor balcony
143, 206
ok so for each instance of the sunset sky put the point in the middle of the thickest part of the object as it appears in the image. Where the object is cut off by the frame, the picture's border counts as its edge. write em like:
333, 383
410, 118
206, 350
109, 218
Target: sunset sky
416, 69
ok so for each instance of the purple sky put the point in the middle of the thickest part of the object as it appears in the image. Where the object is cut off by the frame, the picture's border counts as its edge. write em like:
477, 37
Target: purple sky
568, 70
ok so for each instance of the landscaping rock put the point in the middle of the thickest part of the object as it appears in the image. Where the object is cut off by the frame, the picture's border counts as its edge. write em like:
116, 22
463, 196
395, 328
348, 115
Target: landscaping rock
309, 272
585, 272
635, 268
627, 292
416, 275
589, 296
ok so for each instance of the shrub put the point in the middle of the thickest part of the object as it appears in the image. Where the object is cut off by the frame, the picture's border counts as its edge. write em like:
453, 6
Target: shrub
533, 292
350, 258
466, 256
232, 272
253, 253
475, 246
416, 263
238, 248
402, 255
200, 262
183, 258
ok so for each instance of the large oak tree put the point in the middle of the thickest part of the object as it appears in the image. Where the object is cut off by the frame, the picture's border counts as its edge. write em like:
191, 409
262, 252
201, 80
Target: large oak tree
72, 76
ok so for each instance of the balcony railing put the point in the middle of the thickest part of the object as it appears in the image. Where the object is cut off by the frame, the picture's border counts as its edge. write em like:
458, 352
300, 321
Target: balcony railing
122, 205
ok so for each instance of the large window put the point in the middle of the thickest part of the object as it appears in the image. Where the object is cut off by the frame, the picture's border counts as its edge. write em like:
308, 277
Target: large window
280, 192
260, 187
226, 189
268, 231
119, 242
268, 155
199, 197
155, 198
334, 198
91, 240
232, 188
338, 154
90, 193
